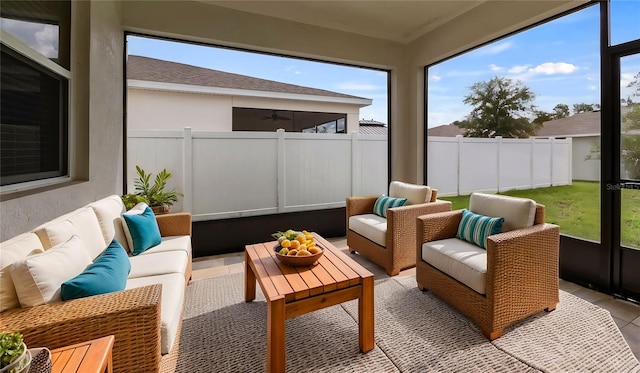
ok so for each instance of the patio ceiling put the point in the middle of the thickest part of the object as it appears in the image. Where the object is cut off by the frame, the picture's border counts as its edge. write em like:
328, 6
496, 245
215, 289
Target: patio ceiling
396, 20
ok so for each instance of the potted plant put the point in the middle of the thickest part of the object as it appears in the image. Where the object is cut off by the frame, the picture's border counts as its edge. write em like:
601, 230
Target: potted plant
154, 194
14, 357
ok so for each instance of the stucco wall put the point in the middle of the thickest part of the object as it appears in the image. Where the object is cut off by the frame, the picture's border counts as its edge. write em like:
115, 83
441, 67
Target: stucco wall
97, 114
584, 169
163, 110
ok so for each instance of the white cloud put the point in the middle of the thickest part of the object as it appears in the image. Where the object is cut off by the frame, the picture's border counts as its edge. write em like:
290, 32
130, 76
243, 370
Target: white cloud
626, 79
495, 67
436, 78
550, 68
518, 69
495, 48
39, 36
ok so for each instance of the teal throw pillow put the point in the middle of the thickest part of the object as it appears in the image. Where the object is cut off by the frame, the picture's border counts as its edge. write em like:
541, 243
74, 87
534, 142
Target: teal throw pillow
143, 229
107, 274
476, 228
383, 203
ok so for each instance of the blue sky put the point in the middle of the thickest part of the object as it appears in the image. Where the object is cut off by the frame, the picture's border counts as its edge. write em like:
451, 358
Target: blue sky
559, 61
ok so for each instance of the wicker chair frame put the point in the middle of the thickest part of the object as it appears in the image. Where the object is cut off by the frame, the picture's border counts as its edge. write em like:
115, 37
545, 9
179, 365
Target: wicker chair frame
399, 252
522, 272
132, 316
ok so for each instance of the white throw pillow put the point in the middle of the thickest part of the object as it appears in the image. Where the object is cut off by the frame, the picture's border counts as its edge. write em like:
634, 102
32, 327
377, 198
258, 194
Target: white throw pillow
38, 278
415, 194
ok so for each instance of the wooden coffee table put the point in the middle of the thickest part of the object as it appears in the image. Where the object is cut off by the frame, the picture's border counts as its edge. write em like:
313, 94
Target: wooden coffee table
294, 291
87, 357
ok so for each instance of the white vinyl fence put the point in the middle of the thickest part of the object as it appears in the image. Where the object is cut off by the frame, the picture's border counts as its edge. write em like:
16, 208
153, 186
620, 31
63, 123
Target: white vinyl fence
236, 174
461, 165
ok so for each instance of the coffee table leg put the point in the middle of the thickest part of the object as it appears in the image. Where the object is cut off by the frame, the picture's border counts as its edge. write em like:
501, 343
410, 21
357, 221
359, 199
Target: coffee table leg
365, 316
275, 336
249, 280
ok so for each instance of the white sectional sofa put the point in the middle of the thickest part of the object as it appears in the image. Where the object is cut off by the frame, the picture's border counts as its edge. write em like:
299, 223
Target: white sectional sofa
145, 317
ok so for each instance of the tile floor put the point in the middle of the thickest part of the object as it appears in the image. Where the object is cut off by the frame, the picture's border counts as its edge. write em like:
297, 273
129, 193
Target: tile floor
625, 314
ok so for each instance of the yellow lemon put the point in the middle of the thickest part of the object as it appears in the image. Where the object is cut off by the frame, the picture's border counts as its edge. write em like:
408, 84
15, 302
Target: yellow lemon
303, 253
285, 243
295, 244
292, 252
283, 251
301, 238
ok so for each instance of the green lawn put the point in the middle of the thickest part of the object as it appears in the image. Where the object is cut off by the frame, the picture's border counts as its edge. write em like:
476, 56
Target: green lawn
576, 209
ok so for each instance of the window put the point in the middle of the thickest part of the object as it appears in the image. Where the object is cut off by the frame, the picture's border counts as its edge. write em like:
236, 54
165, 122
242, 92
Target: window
269, 120
34, 90
539, 90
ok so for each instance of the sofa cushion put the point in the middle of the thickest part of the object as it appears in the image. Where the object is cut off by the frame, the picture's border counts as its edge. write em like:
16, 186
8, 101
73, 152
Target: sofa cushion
82, 223
12, 250
159, 263
459, 259
383, 203
171, 243
108, 211
170, 307
141, 228
517, 212
475, 228
415, 194
371, 226
107, 274
37, 278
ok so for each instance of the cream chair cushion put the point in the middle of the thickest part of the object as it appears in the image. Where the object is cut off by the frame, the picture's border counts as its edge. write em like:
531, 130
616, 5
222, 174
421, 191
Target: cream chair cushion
38, 278
517, 212
371, 226
459, 259
415, 194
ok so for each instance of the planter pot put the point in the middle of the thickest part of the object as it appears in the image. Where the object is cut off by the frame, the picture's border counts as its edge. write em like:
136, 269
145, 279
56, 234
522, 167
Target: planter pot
159, 210
21, 364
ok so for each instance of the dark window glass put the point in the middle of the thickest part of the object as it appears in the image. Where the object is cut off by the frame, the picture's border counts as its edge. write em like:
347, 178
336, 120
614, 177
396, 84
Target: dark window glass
33, 119
269, 120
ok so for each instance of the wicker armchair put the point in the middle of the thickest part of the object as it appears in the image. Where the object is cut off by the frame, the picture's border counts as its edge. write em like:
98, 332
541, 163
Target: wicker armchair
521, 276
398, 252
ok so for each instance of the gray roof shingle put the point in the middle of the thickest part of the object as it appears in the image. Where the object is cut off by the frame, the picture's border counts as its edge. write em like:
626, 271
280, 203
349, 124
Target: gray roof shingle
151, 69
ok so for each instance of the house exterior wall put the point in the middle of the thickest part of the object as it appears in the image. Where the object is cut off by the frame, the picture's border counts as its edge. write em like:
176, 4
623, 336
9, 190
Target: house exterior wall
585, 169
166, 110
96, 123
163, 110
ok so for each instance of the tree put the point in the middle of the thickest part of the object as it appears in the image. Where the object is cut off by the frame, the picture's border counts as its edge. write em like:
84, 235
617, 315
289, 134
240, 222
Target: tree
499, 109
559, 111
583, 108
631, 133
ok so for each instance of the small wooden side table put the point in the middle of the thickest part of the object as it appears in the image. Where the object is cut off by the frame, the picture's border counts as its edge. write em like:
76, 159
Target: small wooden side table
87, 357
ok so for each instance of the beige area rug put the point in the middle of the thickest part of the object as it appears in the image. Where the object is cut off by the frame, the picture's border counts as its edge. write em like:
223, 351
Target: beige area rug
415, 332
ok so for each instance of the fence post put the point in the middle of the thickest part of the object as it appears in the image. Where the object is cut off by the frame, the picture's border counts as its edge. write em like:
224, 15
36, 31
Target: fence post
281, 170
355, 163
187, 169
532, 154
553, 148
498, 162
459, 137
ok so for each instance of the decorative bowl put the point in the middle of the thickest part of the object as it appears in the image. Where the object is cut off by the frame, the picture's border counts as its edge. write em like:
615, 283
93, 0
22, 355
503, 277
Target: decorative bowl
298, 261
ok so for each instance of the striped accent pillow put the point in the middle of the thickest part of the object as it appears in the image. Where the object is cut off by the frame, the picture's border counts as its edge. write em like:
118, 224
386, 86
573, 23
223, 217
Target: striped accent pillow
383, 203
476, 228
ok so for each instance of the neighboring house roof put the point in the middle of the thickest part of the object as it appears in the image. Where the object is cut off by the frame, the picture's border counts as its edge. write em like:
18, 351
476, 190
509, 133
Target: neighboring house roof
446, 130
154, 70
581, 124
372, 127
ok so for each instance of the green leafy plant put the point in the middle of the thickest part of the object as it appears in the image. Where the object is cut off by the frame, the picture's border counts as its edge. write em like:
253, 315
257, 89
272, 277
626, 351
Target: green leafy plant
11, 348
152, 194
